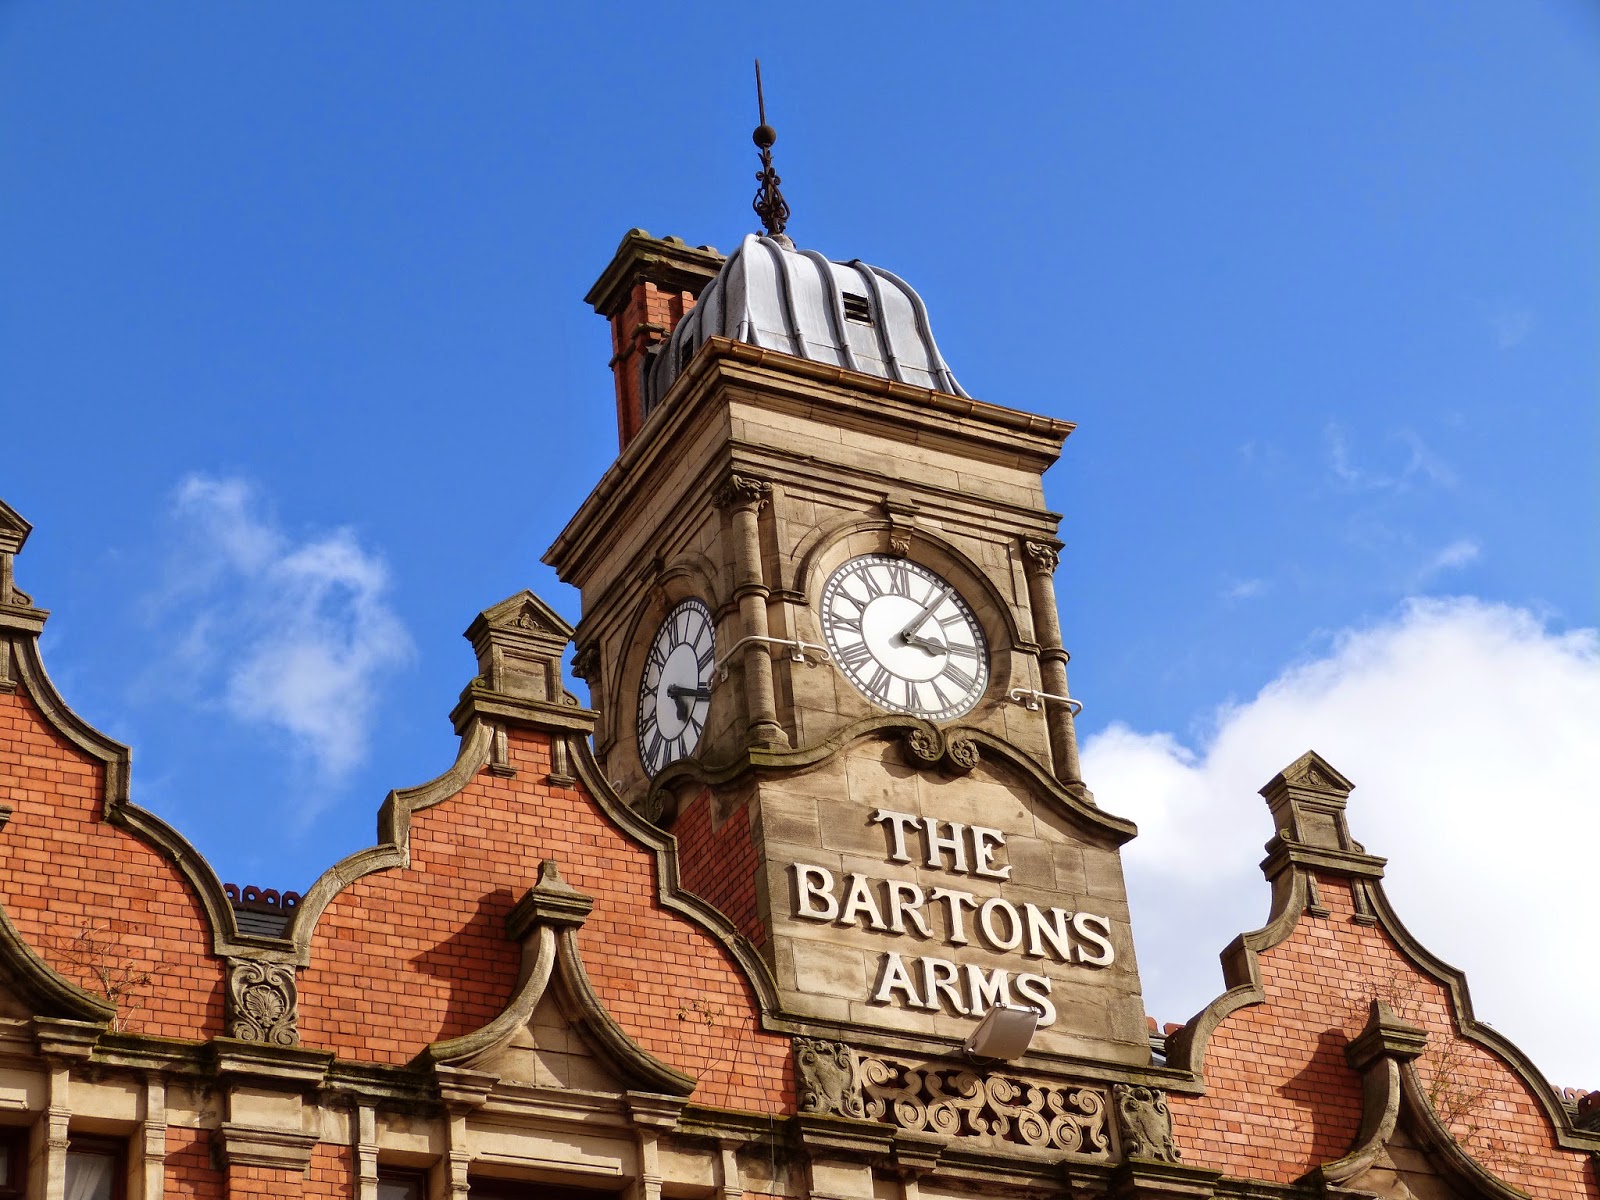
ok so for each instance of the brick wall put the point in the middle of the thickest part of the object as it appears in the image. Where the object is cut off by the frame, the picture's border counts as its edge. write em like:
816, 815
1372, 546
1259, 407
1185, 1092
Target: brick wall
407, 957
190, 1175
90, 896
647, 305
1281, 1099
721, 864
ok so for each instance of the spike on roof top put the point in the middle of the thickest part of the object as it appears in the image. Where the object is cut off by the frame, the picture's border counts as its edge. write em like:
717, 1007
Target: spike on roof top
769, 203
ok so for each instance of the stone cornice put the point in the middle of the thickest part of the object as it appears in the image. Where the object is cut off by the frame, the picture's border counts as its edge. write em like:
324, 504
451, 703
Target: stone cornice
723, 371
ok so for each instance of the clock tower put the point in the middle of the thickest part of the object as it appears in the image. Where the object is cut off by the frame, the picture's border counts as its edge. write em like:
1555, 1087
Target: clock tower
820, 629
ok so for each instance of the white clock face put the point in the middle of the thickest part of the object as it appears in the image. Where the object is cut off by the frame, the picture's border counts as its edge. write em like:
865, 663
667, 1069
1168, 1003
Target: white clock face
904, 637
675, 694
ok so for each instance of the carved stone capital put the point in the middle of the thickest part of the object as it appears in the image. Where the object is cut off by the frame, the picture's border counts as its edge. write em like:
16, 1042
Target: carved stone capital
263, 1002
1144, 1123
829, 1081
743, 492
1042, 558
586, 664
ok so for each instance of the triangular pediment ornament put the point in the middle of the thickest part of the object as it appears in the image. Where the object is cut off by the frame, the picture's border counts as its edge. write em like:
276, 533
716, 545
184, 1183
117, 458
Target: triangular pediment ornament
14, 530
1312, 771
526, 613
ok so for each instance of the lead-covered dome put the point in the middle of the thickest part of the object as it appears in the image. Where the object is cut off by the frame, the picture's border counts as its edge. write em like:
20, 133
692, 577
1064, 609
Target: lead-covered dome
851, 315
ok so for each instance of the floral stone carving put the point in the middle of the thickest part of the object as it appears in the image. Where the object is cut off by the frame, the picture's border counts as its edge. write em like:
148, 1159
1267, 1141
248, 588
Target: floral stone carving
263, 1003
828, 1080
993, 1109
1144, 1123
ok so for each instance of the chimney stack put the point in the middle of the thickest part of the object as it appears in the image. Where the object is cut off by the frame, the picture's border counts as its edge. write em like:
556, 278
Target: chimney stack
644, 292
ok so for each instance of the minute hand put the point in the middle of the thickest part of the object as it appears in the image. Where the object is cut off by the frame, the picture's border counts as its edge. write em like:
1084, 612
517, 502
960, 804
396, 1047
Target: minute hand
917, 621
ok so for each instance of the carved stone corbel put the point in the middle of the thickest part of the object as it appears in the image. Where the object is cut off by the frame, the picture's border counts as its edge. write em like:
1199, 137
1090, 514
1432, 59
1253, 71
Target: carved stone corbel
1144, 1123
263, 1002
830, 1082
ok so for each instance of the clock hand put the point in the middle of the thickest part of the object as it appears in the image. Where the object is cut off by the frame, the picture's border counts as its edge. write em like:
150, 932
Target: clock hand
682, 695
926, 645
917, 621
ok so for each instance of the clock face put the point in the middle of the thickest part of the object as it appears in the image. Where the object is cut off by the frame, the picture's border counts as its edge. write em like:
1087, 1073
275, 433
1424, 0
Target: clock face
904, 637
675, 693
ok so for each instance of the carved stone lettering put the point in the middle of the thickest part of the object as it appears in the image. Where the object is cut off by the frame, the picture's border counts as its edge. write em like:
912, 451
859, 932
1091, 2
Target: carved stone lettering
1144, 1123
829, 1082
263, 1003
992, 1109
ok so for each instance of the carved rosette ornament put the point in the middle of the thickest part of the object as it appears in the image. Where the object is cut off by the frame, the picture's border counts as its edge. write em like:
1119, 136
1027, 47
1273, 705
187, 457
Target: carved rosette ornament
829, 1082
956, 752
924, 745
961, 754
1042, 557
1144, 1123
263, 1003
743, 492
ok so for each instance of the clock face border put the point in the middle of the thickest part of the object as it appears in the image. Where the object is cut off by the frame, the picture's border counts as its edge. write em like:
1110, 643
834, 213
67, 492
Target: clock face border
936, 667
682, 655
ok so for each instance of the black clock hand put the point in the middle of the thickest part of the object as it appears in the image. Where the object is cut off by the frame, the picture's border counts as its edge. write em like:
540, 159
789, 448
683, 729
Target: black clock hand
682, 695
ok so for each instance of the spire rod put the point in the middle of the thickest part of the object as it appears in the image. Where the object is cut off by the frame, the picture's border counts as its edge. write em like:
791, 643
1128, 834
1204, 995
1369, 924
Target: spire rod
769, 203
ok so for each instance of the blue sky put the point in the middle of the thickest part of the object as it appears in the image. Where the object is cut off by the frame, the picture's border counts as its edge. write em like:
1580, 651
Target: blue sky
297, 378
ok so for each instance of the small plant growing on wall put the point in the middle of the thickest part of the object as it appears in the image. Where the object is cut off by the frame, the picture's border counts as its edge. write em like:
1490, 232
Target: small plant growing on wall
95, 954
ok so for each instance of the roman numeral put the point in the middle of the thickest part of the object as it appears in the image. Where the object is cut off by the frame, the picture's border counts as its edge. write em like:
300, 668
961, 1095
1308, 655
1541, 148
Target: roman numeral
854, 655
879, 683
899, 578
870, 582
853, 624
958, 677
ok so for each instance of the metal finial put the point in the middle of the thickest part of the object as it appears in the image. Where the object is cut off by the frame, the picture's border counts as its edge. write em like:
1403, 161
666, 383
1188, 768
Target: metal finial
769, 203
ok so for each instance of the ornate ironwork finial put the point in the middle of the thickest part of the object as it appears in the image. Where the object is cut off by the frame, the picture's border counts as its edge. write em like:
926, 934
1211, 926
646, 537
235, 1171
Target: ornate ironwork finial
769, 203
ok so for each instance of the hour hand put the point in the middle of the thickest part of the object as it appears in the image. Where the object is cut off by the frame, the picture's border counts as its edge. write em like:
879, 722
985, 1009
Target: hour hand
683, 695
926, 645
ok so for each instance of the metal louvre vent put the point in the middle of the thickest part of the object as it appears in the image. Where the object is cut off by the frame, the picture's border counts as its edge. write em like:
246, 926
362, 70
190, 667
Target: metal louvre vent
856, 308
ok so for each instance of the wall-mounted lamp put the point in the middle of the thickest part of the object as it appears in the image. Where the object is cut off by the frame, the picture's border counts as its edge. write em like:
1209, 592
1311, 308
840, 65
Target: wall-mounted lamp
1004, 1033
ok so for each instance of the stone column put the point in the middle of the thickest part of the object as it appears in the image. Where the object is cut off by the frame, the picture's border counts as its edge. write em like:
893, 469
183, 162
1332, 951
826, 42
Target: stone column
364, 1119
153, 1141
1040, 560
744, 498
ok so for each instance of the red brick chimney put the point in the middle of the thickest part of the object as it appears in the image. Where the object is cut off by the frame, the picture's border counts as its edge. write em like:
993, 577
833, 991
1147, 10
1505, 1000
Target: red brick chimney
644, 292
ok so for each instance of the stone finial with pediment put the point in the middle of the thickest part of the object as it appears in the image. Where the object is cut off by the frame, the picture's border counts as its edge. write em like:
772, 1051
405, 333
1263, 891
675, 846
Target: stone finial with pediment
1308, 799
519, 643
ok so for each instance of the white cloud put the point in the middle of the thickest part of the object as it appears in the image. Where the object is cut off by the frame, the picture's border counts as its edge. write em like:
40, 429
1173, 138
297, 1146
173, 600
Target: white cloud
1470, 730
290, 636
1244, 589
1462, 552
1421, 464
1511, 324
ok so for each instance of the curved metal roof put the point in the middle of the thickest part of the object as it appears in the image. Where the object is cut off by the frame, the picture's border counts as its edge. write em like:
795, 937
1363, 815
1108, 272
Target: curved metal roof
850, 314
